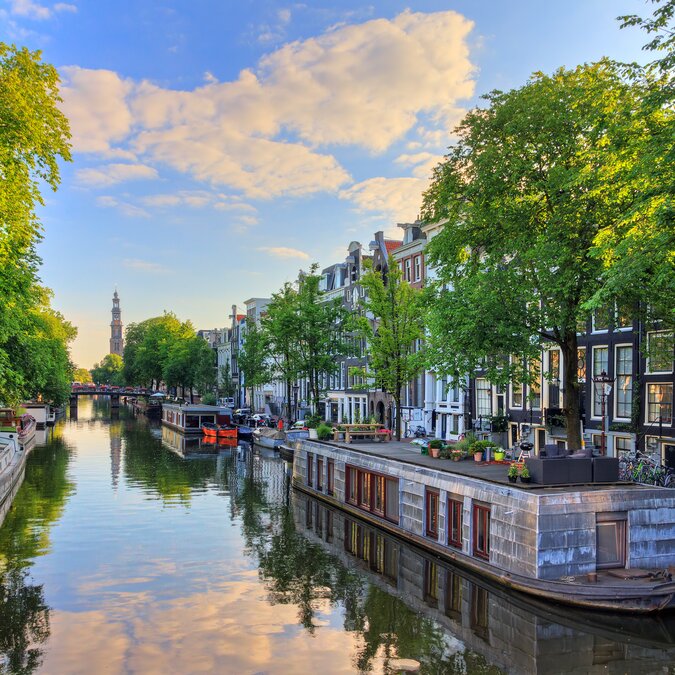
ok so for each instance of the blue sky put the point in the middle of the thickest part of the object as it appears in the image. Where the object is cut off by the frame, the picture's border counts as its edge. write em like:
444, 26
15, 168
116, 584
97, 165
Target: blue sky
219, 147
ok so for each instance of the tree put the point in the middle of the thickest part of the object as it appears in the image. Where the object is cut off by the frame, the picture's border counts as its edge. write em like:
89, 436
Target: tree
109, 371
34, 135
320, 326
281, 323
224, 382
254, 357
190, 364
394, 333
526, 196
82, 375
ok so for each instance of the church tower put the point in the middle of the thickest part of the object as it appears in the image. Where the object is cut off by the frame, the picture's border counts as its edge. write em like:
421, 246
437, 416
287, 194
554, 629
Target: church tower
116, 341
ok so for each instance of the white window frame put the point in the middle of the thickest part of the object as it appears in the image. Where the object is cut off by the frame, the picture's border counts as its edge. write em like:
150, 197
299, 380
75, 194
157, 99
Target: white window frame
541, 388
488, 389
593, 374
593, 328
417, 264
618, 328
618, 450
648, 370
616, 380
512, 387
658, 384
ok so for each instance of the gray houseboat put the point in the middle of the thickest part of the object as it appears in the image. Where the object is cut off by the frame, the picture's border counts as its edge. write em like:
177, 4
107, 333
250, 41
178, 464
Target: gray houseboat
188, 418
603, 546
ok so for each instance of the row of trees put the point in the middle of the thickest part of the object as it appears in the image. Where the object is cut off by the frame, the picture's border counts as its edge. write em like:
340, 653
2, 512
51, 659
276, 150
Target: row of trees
165, 349
34, 136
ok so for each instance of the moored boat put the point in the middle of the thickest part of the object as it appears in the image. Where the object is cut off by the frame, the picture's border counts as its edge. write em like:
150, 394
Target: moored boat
189, 418
219, 430
268, 438
21, 427
12, 466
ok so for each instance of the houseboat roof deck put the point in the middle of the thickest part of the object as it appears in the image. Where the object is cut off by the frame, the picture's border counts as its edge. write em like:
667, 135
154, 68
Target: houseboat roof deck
404, 451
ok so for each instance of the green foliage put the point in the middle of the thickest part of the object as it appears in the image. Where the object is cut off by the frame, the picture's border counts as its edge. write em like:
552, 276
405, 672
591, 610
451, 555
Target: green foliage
393, 335
465, 443
539, 183
209, 399
312, 420
81, 375
190, 364
226, 387
482, 446
436, 443
109, 371
254, 357
324, 432
525, 472
513, 470
34, 135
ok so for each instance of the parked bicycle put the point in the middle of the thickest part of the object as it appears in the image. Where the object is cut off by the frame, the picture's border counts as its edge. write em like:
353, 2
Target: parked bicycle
415, 432
642, 469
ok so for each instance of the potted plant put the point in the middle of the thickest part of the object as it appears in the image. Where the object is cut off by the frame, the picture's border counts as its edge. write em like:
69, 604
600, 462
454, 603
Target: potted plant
435, 446
513, 473
456, 454
525, 475
499, 454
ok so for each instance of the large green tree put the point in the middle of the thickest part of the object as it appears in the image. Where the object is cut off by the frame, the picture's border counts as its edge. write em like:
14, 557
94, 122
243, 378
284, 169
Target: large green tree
190, 364
392, 324
254, 358
109, 371
34, 135
526, 198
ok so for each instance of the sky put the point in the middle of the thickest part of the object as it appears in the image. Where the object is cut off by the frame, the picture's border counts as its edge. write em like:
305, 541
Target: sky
220, 146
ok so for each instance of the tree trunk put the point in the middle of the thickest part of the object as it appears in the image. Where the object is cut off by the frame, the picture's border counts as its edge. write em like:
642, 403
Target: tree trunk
572, 398
397, 403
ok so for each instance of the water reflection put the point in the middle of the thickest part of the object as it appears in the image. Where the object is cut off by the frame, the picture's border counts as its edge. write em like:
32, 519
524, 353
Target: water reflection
469, 626
120, 556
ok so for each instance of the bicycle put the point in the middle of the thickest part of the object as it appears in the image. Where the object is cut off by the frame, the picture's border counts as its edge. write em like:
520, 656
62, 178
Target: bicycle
416, 432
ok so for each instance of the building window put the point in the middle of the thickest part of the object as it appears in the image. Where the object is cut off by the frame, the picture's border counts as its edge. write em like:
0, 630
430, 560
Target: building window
660, 352
310, 468
443, 394
431, 513
391, 500
481, 531
483, 398
623, 368
601, 318
516, 395
622, 446
418, 267
610, 529
352, 485
534, 395
455, 507
430, 583
600, 356
407, 269
660, 403
623, 318
330, 487
581, 364
319, 473
379, 495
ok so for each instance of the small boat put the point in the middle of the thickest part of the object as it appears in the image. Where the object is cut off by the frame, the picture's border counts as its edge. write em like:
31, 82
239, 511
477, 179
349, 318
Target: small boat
219, 430
273, 438
21, 427
244, 431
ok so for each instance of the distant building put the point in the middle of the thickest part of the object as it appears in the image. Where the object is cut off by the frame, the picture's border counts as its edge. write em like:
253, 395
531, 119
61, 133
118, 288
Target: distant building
116, 339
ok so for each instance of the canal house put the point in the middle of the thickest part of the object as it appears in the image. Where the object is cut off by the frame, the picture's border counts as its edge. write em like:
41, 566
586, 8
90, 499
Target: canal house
601, 545
188, 418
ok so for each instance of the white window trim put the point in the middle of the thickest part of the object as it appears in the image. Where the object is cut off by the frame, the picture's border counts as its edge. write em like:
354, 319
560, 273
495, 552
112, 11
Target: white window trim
528, 389
648, 371
617, 450
522, 397
663, 384
593, 385
417, 265
614, 385
597, 330
489, 389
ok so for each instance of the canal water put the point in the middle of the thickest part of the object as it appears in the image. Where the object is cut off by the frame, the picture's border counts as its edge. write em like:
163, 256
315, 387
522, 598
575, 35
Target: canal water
127, 553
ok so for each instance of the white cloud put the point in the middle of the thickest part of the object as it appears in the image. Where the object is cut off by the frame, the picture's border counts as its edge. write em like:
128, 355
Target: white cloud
143, 265
125, 208
34, 10
284, 252
268, 133
397, 199
111, 174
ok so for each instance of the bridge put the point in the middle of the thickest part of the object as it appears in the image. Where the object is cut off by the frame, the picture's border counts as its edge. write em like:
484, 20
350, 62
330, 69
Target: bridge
113, 394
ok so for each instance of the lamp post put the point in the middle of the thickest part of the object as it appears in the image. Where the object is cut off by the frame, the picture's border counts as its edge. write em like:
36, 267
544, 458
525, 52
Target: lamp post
605, 389
296, 388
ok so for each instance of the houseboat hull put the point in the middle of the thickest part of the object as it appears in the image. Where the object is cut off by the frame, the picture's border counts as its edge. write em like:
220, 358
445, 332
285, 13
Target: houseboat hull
12, 469
217, 431
516, 542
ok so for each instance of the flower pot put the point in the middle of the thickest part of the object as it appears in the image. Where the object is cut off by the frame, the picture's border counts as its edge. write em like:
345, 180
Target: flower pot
478, 456
524, 479
512, 479
313, 434
435, 452
456, 458
499, 456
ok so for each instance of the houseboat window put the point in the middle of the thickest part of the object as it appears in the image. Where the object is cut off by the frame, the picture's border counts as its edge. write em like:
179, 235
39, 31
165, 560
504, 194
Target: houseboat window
453, 596
430, 583
481, 531
364, 490
379, 498
391, 501
455, 523
431, 513
660, 403
624, 381
600, 355
319, 473
352, 484
610, 531
480, 612
310, 468
192, 421
330, 487
660, 352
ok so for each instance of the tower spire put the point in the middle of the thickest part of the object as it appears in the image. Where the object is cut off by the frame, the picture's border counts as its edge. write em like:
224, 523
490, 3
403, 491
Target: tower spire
116, 340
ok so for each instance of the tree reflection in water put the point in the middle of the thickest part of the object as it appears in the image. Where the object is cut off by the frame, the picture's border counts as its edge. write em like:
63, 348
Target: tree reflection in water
24, 614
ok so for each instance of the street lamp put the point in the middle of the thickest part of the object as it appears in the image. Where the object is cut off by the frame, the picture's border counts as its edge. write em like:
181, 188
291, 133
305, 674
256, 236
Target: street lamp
296, 388
604, 381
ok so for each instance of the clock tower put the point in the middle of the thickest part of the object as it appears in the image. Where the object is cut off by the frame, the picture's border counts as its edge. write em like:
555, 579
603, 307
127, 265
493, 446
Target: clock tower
116, 340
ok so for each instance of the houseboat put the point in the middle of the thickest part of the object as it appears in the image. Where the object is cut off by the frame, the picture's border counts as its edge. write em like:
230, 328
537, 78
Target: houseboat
40, 411
12, 467
189, 418
21, 427
274, 438
601, 546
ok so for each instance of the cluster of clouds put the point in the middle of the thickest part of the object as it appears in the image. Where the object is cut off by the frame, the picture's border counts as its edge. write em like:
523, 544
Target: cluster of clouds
275, 130
28, 9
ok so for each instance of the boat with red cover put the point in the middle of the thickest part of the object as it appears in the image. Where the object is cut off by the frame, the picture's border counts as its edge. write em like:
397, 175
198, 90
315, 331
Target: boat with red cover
219, 430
